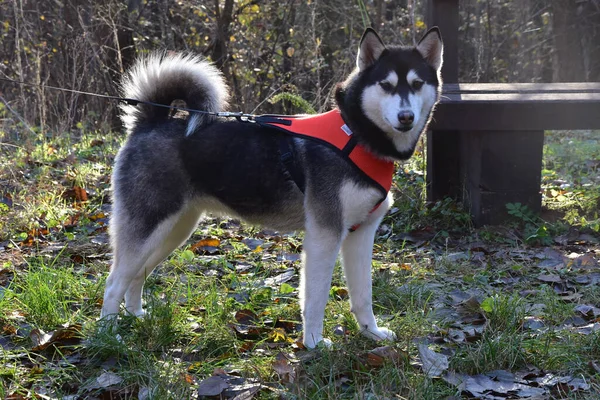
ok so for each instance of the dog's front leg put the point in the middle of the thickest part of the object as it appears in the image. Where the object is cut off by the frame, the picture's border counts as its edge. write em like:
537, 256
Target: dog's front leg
357, 252
321, 247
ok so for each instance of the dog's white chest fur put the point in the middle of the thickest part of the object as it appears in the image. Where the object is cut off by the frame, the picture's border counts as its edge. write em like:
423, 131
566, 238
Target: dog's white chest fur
357, 202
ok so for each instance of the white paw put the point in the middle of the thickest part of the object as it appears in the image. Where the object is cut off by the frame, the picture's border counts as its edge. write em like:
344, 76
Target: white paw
325, 343
108, 323
139, 313
108, 317
379, 334
319, 341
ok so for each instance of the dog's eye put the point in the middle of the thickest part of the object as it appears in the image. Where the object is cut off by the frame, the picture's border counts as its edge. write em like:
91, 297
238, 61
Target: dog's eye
417, 84
385, 85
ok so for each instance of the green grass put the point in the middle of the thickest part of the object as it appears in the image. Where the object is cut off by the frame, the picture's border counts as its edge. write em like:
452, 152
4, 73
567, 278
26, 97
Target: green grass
430, 282
571, 176
49, 296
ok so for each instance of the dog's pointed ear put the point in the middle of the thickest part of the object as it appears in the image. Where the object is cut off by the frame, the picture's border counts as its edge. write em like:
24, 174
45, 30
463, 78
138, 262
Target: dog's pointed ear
431, 48
370, 49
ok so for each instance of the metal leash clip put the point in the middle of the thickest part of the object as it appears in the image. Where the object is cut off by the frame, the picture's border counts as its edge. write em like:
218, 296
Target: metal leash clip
240, 116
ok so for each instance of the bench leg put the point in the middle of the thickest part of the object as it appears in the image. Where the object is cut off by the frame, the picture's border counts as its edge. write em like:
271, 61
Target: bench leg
443, 165
499, 168
486, 170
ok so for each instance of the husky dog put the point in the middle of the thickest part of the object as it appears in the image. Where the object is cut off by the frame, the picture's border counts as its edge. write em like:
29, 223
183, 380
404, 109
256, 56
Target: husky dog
172, 170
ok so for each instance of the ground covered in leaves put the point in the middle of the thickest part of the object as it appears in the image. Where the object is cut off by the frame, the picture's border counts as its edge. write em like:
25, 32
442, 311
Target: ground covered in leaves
493, 313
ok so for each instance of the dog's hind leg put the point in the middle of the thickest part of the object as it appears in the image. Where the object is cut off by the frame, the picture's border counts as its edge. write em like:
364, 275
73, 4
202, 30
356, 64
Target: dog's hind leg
179, 232
133, 262
321, 247
357, 252
129, 256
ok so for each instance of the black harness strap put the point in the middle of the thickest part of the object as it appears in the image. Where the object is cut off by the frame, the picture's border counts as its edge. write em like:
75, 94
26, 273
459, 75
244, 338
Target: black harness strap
349, 146
268, 119
288, 159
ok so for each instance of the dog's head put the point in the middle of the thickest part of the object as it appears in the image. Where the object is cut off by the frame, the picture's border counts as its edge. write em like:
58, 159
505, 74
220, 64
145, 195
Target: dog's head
395, 88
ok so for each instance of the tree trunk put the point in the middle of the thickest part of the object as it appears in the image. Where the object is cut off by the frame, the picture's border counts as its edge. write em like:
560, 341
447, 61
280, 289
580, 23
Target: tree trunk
568, 59
589, 13
224, 17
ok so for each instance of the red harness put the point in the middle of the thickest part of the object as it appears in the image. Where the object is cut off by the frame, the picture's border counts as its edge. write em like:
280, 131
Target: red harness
331, 129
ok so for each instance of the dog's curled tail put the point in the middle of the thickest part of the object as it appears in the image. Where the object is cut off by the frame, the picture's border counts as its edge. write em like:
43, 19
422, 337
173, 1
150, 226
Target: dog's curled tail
165, 77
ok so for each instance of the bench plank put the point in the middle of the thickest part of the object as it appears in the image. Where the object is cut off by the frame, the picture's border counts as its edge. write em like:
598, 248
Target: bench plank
518, 106
522, 87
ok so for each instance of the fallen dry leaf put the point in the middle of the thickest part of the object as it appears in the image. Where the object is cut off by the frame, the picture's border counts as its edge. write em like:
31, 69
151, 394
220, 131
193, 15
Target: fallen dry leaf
549, 278
108, 379
283, 368
253, 244
229, 387
584, 261
380, 355
288, 326
209, 246
247, 325
278, 335
16, 396
277, 280
588, 311
6, 276
498, 386
76, 193
212, 386
434, 364
6, 199
246, 317
96, 143
72, 221
62, 336
206, 243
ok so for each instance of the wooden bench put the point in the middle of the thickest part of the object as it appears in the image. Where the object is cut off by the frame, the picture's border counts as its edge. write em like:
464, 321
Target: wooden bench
486, 140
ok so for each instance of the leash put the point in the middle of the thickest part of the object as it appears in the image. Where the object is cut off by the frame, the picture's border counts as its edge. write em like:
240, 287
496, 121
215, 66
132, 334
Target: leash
286, 147
240, 116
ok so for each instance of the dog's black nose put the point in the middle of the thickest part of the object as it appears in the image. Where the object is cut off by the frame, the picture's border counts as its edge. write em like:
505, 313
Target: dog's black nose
406, 118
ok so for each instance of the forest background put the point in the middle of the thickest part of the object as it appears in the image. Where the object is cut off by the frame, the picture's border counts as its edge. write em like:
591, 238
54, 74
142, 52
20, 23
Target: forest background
273, 53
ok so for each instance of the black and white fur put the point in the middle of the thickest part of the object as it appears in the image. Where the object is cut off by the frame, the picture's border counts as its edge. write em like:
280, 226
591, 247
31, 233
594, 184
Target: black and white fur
171, 171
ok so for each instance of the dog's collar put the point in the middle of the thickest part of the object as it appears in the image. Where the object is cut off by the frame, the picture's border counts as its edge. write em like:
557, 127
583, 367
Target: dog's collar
330, 129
